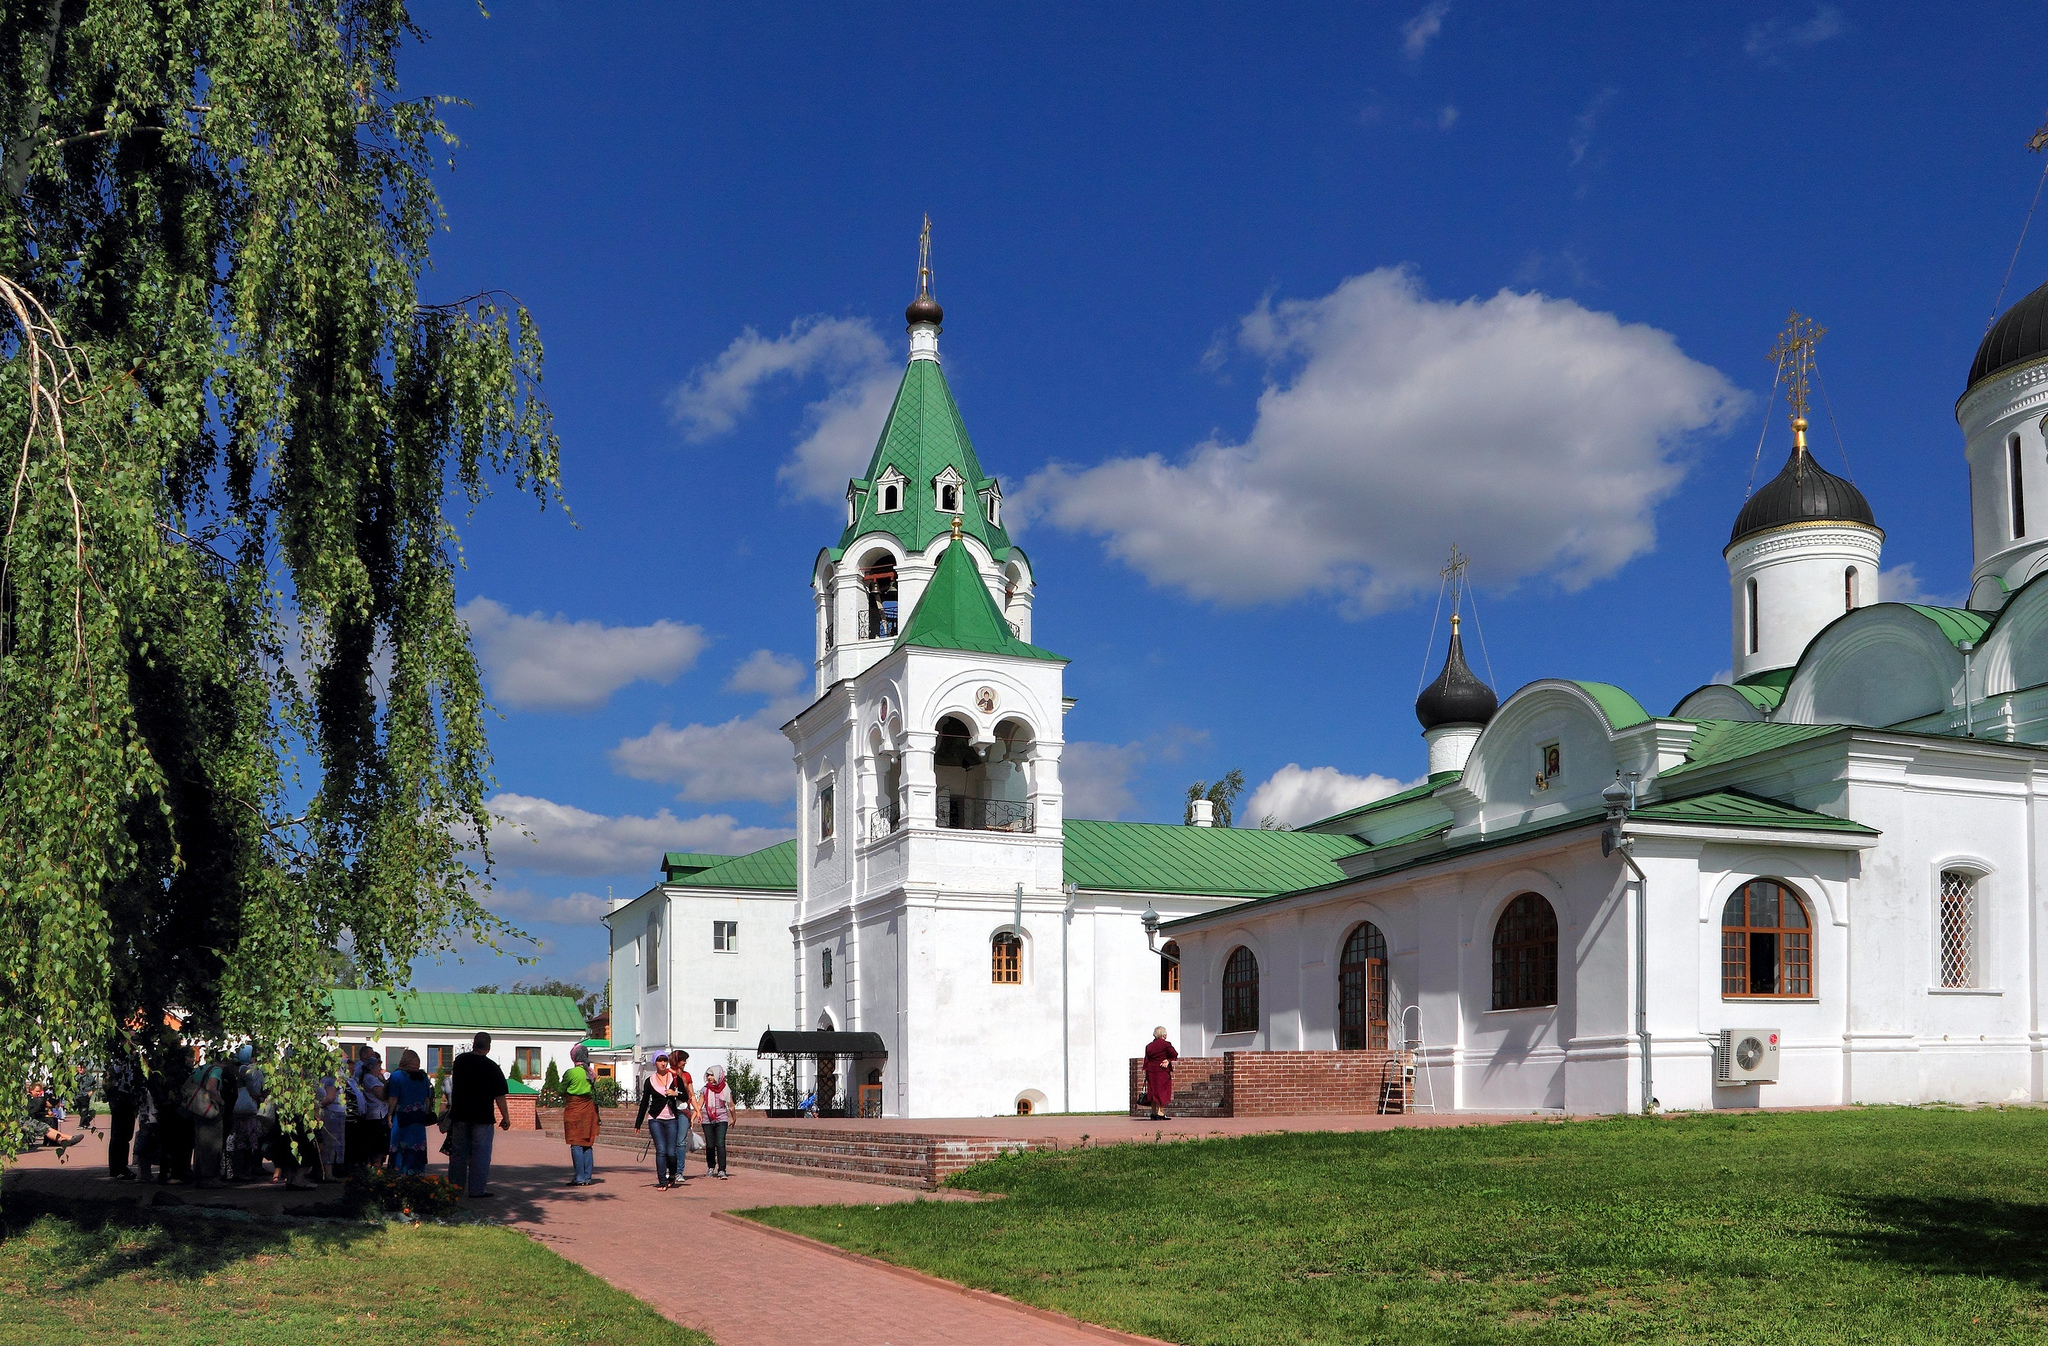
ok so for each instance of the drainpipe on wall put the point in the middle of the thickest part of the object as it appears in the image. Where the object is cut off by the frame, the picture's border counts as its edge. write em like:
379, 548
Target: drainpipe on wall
1620, 799
1066, 1033
1968, 648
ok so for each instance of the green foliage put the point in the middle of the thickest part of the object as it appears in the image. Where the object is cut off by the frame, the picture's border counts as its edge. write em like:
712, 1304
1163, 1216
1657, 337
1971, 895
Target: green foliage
585, 998
1866, 1225
1222, 793
85, 1271
607, 1093
516, 1074
553, 1082
241, 728
423, 1196
745, 1082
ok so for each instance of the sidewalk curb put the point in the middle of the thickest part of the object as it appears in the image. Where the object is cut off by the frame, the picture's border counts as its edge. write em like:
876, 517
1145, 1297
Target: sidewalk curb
940, 1283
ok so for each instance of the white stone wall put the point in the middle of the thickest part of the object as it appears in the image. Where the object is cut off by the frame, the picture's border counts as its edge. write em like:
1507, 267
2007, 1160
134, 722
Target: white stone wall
2009, 404
1799, 572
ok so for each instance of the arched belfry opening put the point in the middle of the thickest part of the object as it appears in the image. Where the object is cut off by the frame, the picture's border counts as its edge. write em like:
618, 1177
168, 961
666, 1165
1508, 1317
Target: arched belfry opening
983, 789
878, 596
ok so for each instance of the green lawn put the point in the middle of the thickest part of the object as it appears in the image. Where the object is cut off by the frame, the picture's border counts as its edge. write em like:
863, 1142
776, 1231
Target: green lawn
1874, 1225
191, 1281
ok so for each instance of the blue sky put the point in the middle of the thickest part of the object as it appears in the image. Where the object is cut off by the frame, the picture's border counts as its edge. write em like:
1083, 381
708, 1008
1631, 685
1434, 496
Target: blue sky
1254, 310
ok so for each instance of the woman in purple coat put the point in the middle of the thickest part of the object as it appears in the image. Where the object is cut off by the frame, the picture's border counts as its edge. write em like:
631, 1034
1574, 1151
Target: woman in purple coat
1159, 1056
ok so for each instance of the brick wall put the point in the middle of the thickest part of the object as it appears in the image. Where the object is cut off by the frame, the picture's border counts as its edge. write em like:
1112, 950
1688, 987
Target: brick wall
1279, 1084
950, 1156
525, 1110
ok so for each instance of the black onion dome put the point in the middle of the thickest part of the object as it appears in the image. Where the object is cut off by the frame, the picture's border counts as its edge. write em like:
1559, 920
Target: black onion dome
924, 308
2019, 335
1803, 492
1457, 696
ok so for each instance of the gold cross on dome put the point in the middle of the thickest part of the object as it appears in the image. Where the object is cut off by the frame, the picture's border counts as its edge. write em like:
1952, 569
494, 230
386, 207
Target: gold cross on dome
1793, 355
1454, 573
924, 259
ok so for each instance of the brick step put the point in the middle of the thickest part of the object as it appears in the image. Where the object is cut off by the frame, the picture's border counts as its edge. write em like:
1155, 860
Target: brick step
918, 1181
849, 1149
914, 1171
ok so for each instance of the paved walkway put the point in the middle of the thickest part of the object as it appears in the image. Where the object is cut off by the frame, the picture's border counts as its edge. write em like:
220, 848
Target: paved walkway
745, 1286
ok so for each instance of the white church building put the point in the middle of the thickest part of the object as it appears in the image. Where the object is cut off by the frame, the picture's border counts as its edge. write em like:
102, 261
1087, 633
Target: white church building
1819, 884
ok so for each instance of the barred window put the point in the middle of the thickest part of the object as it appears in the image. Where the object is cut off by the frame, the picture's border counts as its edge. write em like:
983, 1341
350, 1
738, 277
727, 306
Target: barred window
1241, 991
1958, 928
1169, 966
1362, 990
1006, 959
1525, 954
1766, 942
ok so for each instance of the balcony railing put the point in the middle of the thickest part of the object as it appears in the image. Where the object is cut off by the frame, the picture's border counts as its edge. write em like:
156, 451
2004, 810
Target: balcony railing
876, 625
965, 813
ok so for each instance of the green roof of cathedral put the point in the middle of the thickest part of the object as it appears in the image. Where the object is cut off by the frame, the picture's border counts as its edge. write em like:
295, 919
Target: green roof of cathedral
924, 436
1206, 861
956, 613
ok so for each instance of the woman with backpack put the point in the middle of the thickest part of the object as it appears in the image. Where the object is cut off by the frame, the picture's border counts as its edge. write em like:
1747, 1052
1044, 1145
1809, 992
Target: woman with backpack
201, 1101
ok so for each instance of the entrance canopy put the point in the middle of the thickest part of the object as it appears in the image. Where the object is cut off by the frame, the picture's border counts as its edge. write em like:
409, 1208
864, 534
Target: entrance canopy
787, 1042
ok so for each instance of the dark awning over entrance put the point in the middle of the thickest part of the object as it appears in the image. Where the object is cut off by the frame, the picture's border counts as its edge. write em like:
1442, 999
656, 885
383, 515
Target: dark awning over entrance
788, 1042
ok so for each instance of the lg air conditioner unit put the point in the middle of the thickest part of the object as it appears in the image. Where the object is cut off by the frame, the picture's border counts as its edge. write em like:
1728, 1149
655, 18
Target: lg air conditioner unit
1747, 1056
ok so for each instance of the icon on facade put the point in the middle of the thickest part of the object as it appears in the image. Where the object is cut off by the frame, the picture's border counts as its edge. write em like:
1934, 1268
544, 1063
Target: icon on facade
985, 700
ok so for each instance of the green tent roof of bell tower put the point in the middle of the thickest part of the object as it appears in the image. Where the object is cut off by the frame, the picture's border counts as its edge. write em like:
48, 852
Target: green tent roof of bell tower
957, 613
924, 436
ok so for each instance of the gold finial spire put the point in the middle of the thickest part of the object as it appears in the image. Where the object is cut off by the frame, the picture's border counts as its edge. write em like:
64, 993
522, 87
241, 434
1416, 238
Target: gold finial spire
1794, 356
956, 528
924, 260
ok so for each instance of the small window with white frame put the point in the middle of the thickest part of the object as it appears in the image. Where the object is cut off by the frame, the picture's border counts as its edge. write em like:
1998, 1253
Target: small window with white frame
725, 936
725, 1014
1961, 946
890, 486
946, 491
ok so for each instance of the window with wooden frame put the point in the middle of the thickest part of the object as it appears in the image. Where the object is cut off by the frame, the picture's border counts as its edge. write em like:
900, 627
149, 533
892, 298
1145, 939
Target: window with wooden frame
526, 1060
1958, 929
1241, 991
1169, 966
1362, 990
1006, 959
1766, 943
1525, 954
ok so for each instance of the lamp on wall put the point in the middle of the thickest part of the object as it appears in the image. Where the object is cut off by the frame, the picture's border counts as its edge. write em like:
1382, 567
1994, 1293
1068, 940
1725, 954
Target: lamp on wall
1150, 920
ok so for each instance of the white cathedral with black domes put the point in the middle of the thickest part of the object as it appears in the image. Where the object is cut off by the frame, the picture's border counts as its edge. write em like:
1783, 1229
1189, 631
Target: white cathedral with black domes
1819, 883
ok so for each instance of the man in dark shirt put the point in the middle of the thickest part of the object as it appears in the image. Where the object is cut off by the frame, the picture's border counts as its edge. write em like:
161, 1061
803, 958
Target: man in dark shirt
475, 1084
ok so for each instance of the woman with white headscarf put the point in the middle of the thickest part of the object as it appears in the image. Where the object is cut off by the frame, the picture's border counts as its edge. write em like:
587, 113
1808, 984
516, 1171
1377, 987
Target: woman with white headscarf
717, 1100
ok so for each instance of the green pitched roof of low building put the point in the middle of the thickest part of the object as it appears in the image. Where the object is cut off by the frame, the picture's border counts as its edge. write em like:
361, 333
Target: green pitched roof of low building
772, 868
957, 613
1719, 741
1739, 808
681, 864
924, 436
447, 1009
1204, 861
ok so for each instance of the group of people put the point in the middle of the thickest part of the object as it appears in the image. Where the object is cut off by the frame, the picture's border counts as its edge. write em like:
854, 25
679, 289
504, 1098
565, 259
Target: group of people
669, 1102
387, 1118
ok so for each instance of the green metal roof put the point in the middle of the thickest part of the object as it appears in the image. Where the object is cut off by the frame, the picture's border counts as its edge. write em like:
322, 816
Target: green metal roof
1958, 624
443, 1009
957, 613
679, 864
1622, 710
923, 436
773, 868
1739, 808
1428, 787
1721, 741
1208, 861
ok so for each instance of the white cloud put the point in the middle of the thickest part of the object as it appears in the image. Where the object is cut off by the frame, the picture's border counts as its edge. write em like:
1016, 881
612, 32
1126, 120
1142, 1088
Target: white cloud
768, 673
1586, 123
1294, 794
549, 838
842, 426
745, 757
523, 904
1446, 119
1096, 778
1420, 31
1537, 434
537, 662
1902, 584
1767, 42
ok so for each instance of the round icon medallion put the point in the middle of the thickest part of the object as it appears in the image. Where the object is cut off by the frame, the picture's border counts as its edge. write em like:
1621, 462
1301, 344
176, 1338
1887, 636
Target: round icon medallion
985, 700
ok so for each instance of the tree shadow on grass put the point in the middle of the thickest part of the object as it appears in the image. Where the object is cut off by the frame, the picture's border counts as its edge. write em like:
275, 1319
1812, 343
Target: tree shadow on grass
1956, 1236
99, 1242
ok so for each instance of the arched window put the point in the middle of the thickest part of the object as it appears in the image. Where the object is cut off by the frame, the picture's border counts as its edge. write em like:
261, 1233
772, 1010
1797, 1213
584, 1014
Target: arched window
1362, 990
878, 583
1241, 991
1849, 589
1006, 959
1525, 954
1766, 942
1958, 928
2014, 461
949, 498
892, 499
995, 510
1169, 966
1749, 612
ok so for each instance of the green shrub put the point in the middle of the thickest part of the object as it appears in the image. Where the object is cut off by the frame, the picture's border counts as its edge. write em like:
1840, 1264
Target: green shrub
424, 1196
745, 1082
607, 1093
552, 1084
517, 1076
